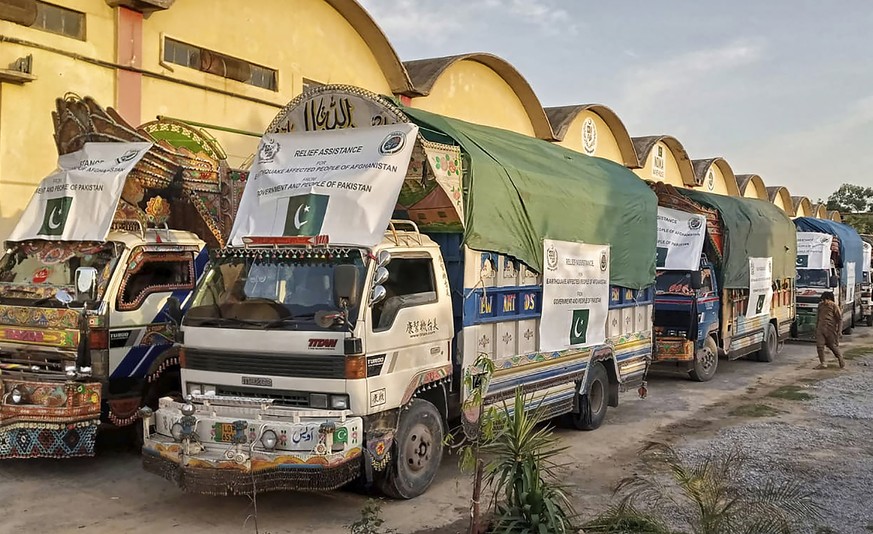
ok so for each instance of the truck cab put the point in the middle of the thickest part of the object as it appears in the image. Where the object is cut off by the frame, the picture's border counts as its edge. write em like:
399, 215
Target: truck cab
86, 334
686, 319
811, 284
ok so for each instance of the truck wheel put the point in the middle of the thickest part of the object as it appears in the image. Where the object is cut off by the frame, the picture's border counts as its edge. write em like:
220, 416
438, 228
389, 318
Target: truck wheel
592, 405
169, 384
870, 320
705, 362
418, 451
770, 346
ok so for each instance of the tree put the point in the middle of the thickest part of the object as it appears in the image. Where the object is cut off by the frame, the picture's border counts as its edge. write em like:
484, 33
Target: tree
851, 198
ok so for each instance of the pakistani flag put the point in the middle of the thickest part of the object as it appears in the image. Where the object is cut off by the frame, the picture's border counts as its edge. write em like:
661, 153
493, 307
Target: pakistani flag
579, 327
55, 218
803, 261
305, 215
662, 256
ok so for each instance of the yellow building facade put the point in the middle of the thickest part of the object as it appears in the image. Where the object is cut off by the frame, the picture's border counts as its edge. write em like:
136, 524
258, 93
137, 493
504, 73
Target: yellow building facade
236, 64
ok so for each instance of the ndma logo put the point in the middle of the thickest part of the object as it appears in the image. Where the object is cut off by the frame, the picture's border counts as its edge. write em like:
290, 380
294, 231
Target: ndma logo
305, 215
54, 221
579, 327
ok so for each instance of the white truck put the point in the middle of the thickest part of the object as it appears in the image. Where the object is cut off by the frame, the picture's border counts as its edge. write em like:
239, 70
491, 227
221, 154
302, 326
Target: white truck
320, 347
89, 293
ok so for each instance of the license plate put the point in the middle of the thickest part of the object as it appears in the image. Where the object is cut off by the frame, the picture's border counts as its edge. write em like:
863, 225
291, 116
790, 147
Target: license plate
224, 432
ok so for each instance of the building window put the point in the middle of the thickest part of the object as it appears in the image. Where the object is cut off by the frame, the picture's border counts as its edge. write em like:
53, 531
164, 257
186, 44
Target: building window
60, 20
205, 60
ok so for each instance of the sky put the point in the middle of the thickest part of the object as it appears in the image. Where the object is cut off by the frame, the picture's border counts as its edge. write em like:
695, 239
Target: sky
780, 88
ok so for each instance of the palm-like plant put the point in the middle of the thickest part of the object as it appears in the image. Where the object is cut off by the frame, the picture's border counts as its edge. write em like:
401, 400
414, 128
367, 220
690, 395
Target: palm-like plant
709, 497
522, 473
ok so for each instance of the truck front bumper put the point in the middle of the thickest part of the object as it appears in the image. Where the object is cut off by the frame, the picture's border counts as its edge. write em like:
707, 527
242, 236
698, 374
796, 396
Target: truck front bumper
220, 450
48, 419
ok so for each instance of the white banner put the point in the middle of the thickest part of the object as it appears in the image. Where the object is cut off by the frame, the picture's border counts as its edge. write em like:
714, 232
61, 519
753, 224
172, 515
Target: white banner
575, 295
868, 248
760, 286
813, 250
77, 202
850, 281
680, 240
341, 183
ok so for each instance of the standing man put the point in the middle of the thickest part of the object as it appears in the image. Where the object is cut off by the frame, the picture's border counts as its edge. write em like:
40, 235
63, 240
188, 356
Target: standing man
828, 328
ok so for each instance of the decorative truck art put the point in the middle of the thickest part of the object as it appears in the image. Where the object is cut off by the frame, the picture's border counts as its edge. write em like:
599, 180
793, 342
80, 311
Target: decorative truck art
329, 341
90, 290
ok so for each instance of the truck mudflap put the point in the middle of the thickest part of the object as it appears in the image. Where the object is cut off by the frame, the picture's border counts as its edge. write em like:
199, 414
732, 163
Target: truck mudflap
233, 446
48, 419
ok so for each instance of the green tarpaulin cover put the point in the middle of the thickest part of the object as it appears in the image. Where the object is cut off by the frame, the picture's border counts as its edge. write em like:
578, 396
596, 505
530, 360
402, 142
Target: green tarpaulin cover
520, 190
753, 229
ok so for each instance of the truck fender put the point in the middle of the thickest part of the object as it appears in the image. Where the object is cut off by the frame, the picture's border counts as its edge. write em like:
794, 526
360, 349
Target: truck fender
606, 356
165, 360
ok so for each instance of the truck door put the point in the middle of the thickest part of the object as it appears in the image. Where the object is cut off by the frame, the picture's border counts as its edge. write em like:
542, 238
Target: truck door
410, 330
707, 305
139, 327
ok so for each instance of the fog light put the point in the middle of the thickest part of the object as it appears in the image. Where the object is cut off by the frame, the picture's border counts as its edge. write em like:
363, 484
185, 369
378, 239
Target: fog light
339, 402
188, 409
16, 396
176, 431
318, 400
269, 440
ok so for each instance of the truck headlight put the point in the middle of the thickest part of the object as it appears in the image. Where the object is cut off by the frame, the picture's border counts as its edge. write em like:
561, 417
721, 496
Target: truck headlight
269, 439
318, 400
339, 402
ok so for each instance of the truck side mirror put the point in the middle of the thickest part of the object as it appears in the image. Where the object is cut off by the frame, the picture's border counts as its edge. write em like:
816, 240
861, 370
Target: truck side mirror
381, 276
86, 284
378, 295
696, 280
345, 285
835, 281
383, 259
174, 310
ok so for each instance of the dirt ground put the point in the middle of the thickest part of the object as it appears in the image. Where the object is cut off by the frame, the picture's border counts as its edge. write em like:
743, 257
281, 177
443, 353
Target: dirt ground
111, 493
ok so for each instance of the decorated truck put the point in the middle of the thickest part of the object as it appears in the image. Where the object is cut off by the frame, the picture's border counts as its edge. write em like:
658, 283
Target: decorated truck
109, 245
866, 284
725, 281
830, 257
371, 269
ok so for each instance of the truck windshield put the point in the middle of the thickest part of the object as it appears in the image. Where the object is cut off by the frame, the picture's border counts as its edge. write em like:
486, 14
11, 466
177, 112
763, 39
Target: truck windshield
673, 283
268, 293
32, 271
812, 278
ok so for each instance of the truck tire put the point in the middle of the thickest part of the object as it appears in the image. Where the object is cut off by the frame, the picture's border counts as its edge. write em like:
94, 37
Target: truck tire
593, 404
417, 452
771, 344
705, 362
870, 320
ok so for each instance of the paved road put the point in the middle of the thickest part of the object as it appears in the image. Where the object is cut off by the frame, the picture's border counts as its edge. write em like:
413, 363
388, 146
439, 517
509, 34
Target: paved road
111, 493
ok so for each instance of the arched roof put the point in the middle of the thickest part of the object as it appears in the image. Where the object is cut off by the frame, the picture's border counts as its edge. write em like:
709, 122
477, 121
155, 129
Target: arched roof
820, 211
425, 72
561, 117
378, 42
784, 195
802, 202
743, 181
835, 216
702, 166
644, 145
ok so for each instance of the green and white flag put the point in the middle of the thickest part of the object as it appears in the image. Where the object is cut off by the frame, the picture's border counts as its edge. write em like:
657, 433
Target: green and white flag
78, 201
680, 240
342, 184
575, 295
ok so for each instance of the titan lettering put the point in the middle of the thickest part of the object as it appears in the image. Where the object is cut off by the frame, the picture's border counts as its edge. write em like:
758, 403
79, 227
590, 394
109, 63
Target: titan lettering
322, 343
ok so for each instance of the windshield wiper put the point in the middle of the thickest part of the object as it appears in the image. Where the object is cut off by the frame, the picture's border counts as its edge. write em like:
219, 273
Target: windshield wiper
223, 321
291, 319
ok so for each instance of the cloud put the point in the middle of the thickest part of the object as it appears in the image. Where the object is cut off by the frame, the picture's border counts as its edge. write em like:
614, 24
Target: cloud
413, 19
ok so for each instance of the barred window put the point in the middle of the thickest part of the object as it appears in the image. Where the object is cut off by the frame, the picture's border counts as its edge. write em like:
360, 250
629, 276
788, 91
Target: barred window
60, 20
204, 60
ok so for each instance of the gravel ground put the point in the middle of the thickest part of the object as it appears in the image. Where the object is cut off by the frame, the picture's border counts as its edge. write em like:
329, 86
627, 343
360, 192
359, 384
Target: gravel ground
825, 443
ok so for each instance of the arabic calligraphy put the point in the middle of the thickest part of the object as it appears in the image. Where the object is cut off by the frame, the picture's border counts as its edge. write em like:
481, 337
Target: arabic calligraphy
335, 115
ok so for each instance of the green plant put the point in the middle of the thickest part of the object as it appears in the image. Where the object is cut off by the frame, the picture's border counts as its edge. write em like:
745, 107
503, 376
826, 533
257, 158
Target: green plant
754, 410
523, 474
790, 393
857, 352
624, 518
371, 520
710, 498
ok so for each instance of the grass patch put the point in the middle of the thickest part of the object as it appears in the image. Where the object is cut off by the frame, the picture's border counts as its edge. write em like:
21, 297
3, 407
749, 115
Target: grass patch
858, 352
754, 410
794, 393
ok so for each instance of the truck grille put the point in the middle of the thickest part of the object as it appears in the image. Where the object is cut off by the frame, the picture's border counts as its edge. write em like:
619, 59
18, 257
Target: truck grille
280, 397
293, 365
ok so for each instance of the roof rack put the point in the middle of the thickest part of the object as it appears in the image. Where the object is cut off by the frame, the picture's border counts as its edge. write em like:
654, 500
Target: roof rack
392, 234
129, 225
